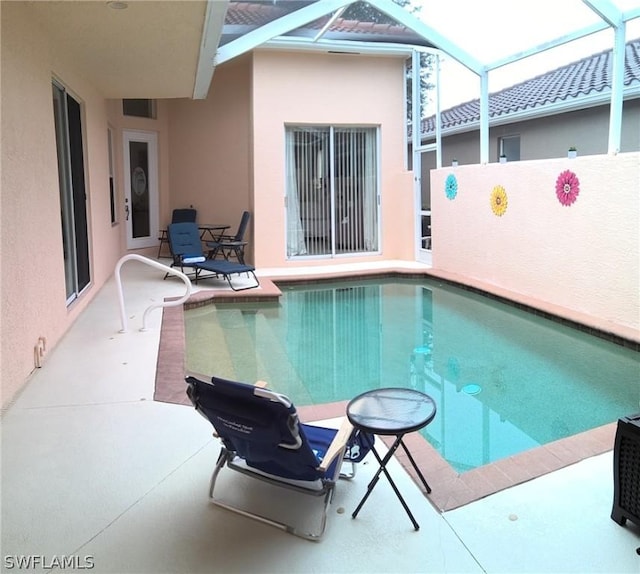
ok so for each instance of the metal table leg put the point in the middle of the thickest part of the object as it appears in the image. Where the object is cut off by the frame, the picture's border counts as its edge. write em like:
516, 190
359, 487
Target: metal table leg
383, 468
415, 466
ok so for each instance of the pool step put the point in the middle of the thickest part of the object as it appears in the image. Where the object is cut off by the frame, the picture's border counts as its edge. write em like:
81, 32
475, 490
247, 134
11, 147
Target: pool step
282, 376
238, 337
206, 344
258, 353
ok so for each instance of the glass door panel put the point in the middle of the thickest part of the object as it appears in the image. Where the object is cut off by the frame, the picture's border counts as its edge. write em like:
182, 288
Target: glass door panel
332, 191
73, 200
139, 169
141, 189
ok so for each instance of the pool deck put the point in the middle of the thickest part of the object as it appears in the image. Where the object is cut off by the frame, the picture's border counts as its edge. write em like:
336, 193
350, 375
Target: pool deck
450, 489
93, 467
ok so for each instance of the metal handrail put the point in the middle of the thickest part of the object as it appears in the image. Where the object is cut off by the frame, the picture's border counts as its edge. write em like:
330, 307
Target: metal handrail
152, 263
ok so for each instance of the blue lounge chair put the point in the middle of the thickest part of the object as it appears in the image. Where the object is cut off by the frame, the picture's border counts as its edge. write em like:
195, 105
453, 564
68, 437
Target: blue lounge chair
186, 250
262, 437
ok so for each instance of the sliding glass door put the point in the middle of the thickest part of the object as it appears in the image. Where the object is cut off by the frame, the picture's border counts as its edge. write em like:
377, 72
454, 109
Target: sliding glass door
73, 199
332, 191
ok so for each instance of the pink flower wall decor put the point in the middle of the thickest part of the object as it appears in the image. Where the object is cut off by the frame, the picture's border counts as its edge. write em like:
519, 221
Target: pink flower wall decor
567, 187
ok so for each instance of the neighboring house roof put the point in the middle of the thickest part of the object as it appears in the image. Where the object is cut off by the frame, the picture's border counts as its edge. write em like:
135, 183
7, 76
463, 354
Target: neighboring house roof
578, 85
243, 17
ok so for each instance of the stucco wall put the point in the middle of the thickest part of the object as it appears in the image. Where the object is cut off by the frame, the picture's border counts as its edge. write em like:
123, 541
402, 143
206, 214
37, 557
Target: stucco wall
584, 257
33, 286
327, 89
209, 142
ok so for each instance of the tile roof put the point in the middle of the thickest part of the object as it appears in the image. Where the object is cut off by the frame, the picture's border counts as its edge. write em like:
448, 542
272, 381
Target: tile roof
253, 13
572, 82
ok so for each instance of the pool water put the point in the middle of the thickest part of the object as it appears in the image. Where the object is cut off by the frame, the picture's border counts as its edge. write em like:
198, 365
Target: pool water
504, 380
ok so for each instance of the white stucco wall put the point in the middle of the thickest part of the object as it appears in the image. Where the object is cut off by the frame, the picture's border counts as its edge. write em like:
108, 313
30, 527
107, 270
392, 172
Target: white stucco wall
584, 257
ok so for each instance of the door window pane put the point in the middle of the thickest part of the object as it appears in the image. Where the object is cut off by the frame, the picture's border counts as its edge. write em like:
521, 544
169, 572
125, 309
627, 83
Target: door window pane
112, 186
425, 224
139, 166
79, 197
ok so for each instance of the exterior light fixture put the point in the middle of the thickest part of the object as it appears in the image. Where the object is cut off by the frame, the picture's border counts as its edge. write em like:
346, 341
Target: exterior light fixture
117, 5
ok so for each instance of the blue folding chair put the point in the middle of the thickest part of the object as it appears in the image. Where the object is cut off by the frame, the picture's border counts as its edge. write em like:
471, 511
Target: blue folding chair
263, 438
177, 216
228, 245
186, 250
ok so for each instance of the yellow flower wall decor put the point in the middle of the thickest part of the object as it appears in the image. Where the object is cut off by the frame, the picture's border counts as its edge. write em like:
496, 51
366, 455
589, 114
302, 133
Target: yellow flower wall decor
499, 200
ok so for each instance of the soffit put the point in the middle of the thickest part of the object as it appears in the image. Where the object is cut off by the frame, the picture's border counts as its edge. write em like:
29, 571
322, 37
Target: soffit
149, 50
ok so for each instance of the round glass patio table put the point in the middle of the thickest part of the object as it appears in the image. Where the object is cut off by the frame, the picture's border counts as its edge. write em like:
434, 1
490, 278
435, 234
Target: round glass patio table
391, 412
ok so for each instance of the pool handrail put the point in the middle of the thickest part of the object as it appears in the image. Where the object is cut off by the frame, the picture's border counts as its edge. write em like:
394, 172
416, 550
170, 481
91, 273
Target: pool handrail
157, 265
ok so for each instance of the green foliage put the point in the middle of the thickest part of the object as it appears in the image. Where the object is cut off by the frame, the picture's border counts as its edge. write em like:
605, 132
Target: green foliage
426, 68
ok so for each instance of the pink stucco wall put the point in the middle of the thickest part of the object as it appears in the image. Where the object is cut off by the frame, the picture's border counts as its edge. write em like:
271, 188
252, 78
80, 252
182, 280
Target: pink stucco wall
327, 89
33, 287
209, 149
583, 258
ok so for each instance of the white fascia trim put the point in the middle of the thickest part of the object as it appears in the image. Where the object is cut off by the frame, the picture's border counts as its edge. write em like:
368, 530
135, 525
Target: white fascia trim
277, 28
432, 36
599, 99
215, 14
344, 46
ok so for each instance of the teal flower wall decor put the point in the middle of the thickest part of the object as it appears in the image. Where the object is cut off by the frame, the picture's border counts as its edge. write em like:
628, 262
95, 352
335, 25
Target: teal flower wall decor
451, 186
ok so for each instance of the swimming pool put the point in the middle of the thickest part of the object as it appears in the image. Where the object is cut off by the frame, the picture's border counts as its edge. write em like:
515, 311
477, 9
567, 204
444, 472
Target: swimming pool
505, 380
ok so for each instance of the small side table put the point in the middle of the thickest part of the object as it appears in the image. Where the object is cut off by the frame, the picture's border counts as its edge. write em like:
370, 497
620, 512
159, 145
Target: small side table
212, 231
391, 412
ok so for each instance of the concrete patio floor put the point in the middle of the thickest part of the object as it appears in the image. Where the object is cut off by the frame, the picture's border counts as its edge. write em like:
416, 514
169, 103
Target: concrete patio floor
93, 468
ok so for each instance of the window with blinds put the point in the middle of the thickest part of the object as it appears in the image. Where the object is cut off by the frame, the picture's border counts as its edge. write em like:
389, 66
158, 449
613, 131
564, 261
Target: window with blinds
332, 190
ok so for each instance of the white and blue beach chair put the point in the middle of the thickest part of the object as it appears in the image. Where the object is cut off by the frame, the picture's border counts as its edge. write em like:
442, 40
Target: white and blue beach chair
262, 438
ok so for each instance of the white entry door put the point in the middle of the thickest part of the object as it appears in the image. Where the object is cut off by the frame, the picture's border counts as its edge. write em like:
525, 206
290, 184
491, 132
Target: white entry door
141, 188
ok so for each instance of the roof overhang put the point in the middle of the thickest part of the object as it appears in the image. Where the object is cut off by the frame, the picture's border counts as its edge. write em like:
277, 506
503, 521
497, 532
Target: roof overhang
150, 49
